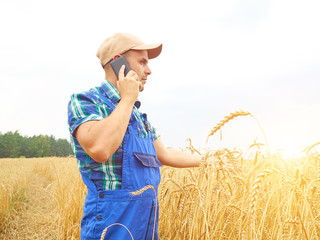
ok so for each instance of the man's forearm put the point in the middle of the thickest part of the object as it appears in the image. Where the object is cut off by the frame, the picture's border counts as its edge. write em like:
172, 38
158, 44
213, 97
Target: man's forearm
180, 159
175, 158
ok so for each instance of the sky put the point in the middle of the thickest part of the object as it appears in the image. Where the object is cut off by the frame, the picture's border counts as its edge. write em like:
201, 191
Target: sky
218, 57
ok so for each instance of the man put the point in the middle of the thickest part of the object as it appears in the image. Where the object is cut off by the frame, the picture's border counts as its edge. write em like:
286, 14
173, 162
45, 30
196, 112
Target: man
117, 150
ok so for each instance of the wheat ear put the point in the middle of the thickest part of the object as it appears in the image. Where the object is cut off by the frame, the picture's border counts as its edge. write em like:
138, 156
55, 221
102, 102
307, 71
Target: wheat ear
142, 190
106, 229
232, 116
227, 119
255, 189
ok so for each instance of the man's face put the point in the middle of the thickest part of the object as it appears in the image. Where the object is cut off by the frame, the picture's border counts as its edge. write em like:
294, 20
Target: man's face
138, 62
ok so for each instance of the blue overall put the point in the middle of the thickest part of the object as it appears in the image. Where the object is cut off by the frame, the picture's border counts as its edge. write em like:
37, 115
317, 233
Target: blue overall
137, 213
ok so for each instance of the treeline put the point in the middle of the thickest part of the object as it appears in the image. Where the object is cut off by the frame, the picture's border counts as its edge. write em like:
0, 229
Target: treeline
13, 145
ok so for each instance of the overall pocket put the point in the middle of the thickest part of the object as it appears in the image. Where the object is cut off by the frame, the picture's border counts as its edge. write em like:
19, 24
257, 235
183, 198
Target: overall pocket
147, 169
147, 160
123, 217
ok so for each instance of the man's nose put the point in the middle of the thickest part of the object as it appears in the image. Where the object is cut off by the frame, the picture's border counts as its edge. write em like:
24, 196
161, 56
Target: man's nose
148, 70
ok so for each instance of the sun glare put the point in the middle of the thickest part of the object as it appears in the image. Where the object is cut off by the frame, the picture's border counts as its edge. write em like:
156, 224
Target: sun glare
290, 153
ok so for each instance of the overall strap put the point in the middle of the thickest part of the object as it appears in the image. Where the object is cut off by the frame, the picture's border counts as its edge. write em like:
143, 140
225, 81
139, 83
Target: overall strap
111, 105
88, 182
105, 100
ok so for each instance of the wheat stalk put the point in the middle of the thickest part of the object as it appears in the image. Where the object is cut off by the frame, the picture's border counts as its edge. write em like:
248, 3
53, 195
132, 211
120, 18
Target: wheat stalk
191, 147
308, 149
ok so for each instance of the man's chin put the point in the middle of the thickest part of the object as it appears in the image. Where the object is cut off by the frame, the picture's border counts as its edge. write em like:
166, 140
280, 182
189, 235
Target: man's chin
141, 87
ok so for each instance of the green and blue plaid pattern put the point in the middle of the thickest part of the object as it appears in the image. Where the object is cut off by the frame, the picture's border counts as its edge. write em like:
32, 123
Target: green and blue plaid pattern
85, 107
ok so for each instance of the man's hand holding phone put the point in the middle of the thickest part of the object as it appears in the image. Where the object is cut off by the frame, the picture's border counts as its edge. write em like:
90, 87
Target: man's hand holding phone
129, 86
128, 83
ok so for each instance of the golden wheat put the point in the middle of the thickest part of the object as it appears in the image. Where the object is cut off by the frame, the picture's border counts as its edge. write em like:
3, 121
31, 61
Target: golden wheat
209, 202
106, 229
232, 195
227, 119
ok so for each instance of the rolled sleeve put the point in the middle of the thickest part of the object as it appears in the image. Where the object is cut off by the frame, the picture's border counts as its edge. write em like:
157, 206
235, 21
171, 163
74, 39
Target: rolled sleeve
82, 108
154, 133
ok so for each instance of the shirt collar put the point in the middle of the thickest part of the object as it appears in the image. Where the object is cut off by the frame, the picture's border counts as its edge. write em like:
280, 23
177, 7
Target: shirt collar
110, 91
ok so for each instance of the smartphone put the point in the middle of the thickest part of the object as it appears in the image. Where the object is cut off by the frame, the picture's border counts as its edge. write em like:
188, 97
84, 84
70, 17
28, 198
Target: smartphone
116, 65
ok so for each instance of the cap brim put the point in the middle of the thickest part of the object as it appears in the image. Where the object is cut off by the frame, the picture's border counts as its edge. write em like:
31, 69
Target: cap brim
154, 50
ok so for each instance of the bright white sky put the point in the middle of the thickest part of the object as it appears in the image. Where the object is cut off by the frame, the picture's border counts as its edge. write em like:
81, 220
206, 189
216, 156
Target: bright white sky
218, 57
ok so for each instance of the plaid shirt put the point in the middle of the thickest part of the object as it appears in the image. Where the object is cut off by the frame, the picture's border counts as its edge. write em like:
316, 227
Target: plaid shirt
85, 107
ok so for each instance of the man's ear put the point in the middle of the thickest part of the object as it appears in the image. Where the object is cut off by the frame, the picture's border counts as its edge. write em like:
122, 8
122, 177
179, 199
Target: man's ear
116, 56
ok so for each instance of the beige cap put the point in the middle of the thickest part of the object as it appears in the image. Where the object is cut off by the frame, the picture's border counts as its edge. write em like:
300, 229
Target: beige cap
119, 43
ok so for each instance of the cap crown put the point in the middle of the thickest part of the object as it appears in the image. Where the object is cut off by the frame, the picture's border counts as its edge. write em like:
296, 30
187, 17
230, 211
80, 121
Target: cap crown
119, 43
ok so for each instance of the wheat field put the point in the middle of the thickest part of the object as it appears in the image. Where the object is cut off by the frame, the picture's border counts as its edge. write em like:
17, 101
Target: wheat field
232, 195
